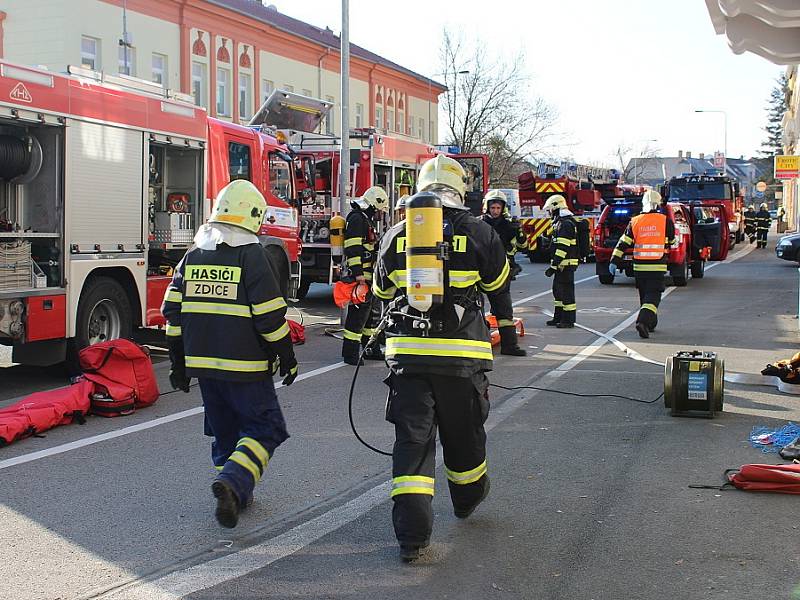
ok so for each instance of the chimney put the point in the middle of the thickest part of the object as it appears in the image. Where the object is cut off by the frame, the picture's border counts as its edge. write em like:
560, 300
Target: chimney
680, 153
702, 156
688, 154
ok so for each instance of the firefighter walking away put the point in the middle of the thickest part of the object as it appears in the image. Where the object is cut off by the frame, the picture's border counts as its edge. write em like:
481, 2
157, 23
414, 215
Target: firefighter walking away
750, 223
763, 220
438, 349
563, 262
650, 234
226, 326
360, 238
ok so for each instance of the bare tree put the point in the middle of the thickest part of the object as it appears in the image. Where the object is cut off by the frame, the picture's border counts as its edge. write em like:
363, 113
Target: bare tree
634, 164
491, 109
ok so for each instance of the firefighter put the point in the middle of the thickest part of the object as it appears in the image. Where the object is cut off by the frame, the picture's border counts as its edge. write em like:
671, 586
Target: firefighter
226, 326
400, 208
651, 234
437, 380
563, 262
750, 223
496, 215
763, 220
360, 238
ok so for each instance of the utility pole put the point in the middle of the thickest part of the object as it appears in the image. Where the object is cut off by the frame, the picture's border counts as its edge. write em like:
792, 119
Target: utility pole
344, 153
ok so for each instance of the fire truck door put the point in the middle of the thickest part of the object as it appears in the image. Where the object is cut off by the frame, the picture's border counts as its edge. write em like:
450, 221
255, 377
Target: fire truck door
710, 229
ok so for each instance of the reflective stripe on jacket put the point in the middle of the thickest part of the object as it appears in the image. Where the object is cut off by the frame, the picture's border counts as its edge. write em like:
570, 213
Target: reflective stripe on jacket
359, 244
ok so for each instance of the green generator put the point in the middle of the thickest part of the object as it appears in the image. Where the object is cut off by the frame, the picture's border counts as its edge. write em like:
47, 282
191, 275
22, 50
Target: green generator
693, 384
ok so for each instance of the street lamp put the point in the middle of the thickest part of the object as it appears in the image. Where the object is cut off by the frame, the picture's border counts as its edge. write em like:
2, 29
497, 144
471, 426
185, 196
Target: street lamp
455, 83
635, 172
725, 133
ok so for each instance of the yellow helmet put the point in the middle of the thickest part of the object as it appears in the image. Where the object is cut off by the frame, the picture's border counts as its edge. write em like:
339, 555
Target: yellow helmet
241, 204
555, 202
496, 196
442, 171
375, 197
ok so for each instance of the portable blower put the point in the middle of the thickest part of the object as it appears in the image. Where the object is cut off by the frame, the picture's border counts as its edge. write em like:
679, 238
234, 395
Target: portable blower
693, 384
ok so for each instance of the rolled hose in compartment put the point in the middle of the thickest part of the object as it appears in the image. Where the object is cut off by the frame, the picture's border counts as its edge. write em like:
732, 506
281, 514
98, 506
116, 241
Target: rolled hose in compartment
15, 159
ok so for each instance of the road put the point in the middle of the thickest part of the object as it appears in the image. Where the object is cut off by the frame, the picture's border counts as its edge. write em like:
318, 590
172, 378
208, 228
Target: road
590, 496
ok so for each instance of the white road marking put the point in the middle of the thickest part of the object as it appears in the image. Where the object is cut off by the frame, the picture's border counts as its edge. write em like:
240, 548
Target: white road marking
110, 435
238, 564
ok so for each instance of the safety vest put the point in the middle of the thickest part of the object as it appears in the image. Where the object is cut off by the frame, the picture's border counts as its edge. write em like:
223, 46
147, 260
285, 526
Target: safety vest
649, 235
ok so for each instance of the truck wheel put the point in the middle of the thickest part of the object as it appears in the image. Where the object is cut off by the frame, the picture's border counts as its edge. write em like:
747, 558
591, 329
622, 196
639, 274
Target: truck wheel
698, 269
681, 277
606, 278
104, 313
302, 291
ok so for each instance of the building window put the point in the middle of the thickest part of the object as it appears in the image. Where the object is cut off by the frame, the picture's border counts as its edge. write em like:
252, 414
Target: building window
245, 96
127, 61
238, 161
410, 125
307, 93
401, 120
90, 53
160, 74
266, 88
223, 90
422, 129
379, 117
199, 84
330, 119
359, 115
288, 88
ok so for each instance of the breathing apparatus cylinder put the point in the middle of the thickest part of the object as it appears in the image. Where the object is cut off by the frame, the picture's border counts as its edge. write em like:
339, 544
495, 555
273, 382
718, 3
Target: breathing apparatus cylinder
337, 226
424, 251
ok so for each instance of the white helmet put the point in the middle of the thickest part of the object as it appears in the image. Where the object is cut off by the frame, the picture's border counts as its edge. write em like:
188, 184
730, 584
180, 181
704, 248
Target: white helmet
444, 176
555, 202
401, 203
494, 196
375, 197
651, 200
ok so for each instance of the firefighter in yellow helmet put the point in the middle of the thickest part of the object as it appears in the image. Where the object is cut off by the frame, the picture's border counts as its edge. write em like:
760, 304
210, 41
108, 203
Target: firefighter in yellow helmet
360, 238
563, 261
437, 380
495, 213
750, 223
226, 326
650, 234
762, 220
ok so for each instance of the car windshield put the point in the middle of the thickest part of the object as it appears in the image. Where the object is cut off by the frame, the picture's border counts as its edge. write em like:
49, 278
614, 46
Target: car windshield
622, 213
699, 191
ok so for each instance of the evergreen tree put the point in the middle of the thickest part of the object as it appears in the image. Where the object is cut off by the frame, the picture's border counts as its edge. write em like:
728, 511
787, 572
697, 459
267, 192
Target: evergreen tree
776, 108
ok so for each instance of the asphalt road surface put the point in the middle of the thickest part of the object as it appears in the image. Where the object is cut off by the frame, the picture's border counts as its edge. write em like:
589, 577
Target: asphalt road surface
589, 500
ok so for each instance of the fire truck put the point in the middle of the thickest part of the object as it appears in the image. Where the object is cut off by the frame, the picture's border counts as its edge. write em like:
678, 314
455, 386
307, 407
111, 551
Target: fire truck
103, 183
581, 185
715, 187
376, 158
701, 234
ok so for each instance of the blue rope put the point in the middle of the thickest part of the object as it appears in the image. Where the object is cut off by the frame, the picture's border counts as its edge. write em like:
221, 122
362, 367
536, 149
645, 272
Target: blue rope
769, 439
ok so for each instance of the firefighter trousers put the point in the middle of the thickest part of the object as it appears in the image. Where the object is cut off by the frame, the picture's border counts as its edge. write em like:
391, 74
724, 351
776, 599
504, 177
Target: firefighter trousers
247, 424
564, 295
650, 289
503, 311
761, 237
359, 325
417, 406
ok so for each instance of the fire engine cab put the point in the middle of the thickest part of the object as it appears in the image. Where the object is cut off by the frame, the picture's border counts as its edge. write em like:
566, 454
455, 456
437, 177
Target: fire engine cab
103, 182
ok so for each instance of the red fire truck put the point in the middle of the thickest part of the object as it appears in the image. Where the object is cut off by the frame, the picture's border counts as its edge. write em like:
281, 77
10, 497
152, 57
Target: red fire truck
581, 185
103, 183
389, 161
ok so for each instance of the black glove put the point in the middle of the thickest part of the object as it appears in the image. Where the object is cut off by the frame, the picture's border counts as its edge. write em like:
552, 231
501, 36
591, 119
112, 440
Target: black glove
177, 372
550, 272
617, 262
289, 369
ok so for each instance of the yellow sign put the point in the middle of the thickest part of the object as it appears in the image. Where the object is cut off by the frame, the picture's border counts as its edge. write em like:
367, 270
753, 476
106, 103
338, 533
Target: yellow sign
787, 167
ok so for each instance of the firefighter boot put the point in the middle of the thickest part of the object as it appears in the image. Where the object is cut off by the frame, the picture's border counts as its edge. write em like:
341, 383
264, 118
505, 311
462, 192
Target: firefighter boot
227, 512
463, 513
643, 330
350, 352
374, 352
508, 342
410, 552
556, 317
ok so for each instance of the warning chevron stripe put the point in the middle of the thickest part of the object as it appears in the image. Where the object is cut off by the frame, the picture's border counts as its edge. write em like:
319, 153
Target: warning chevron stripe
549, 186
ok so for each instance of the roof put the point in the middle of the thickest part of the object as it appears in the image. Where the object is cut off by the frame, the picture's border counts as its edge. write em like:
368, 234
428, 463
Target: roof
323, 37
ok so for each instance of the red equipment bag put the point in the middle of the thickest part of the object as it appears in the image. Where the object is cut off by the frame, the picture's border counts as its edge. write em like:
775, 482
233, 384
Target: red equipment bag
783, 479
297, 332
123, 370
44, 410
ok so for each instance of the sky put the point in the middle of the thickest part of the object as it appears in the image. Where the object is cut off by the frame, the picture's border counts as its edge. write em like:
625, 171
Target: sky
617, 72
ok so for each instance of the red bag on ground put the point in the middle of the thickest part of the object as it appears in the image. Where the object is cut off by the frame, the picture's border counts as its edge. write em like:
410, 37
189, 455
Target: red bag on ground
44, 410
297, 332
123, 368
784, 479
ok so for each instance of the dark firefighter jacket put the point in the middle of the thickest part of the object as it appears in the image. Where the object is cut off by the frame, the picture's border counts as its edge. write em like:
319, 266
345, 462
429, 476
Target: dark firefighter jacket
750, 220
226, 307
508, 231
649, 265
564, 246
762, 220
459, 344
359, 244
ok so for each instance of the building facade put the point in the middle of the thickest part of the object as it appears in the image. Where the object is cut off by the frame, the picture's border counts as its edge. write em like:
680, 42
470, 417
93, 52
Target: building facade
228, 54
